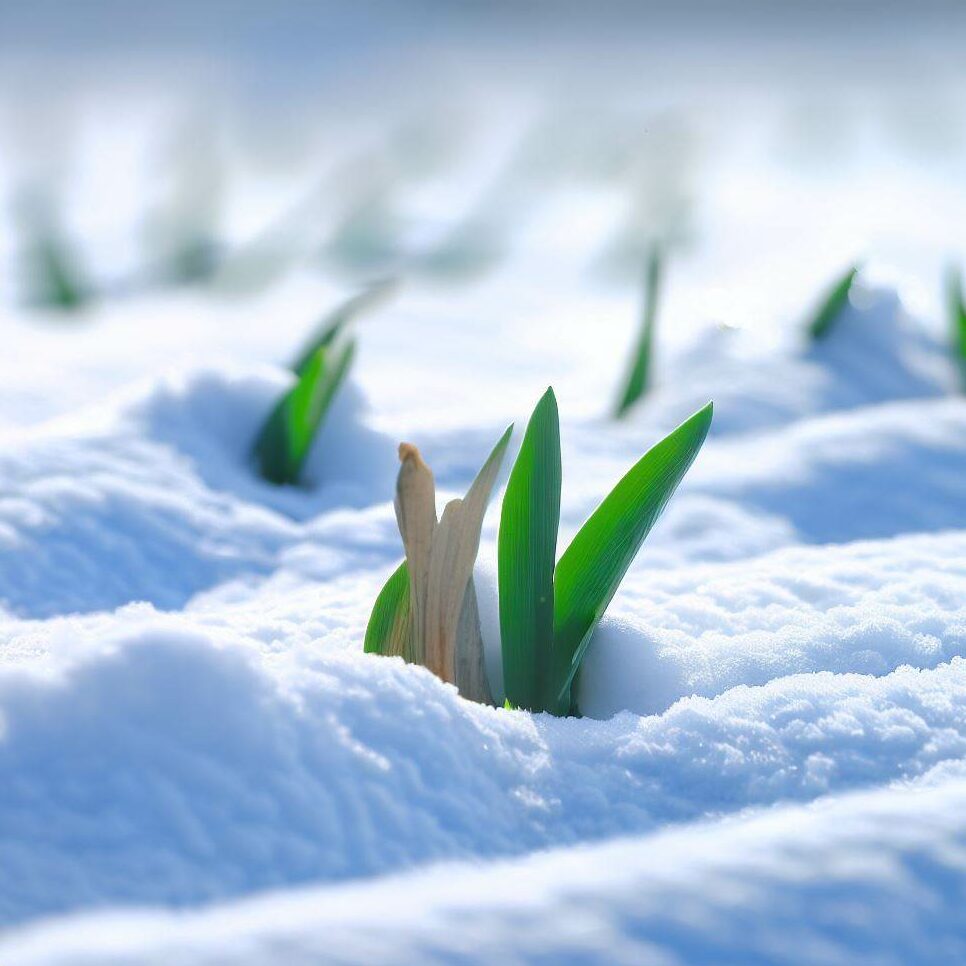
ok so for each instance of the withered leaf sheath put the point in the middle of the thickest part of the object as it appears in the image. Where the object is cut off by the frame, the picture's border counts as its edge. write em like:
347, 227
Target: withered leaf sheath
427, 611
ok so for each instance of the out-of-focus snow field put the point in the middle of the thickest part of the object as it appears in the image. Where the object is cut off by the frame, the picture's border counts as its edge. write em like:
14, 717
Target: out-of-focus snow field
770, 769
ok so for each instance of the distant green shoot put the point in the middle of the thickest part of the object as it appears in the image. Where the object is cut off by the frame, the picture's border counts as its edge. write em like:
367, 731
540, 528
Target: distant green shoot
54, 276
832, 305
957, 323
548, 613
286, 438
320, 368
53, 273
638, 379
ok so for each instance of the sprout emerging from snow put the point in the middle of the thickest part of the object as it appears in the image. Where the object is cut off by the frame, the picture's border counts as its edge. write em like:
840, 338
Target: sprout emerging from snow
284, 442
427, 611
548, 611
638, 379
831, 306
957, 323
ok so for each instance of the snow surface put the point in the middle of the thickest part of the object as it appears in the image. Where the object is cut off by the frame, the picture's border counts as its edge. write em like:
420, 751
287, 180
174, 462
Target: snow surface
199, 765
880, 874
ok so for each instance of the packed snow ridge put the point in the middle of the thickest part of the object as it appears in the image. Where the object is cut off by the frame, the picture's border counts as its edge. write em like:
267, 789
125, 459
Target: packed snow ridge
769, 769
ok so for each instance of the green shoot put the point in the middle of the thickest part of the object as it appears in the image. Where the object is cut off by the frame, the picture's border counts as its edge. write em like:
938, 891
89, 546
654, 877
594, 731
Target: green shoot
287, 435
527, 549
55, 279
540, 662
427, 613
638, 379
834, 301
335, 322
957, 320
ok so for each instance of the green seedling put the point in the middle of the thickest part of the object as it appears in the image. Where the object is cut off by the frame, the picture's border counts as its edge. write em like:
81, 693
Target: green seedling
286, 438
427, 612
831, 306
638, 379
54, 277
957, 322
320, 367
548, 613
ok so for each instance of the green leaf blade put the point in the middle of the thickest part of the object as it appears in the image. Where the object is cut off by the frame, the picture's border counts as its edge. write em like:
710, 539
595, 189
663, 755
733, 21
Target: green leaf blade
957, 320
592, 567
286, 438
527, 547
638, 378
389, 631
832, 305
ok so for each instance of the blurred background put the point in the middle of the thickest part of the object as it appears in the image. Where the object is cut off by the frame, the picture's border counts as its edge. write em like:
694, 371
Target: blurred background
495, 152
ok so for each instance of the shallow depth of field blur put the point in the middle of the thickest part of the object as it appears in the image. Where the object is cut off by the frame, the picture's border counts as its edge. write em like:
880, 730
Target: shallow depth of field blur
198, 762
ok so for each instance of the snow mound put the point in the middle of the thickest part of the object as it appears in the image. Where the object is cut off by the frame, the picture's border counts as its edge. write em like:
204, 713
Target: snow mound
151, 496
177, 767
874, 353
881, 875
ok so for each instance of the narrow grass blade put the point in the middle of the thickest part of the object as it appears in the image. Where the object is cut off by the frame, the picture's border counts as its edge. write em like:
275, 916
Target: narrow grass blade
638, 379
336, 321
389, 631
55, 280
526, 551
456, 543
957, 320
832, 305
287, 436
592, 567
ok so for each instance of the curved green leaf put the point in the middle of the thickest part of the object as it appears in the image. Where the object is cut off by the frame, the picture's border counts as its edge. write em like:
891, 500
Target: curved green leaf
527, 548
832, 305
286, 438
638, 379
592, 567
957, 320
389, 631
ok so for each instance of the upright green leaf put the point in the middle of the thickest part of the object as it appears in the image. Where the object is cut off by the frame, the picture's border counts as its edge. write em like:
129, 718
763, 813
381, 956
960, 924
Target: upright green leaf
389, 631
55, 278
957, 320
334, 323
590, 570
832, 305
286, 438
527, 548
638, 378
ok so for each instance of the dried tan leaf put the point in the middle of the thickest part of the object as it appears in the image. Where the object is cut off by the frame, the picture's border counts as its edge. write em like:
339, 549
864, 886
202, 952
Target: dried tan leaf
471, 677
416, 515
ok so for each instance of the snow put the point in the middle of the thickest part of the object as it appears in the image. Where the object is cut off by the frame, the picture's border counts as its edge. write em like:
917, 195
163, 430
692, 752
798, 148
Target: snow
879, 873
169, 767
198, 762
